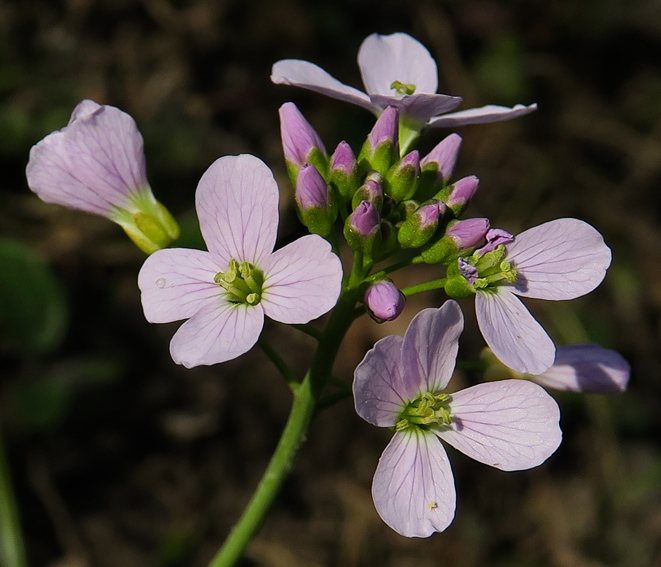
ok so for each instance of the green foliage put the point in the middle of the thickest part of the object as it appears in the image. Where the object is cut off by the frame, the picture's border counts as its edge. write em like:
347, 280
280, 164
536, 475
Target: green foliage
33, 311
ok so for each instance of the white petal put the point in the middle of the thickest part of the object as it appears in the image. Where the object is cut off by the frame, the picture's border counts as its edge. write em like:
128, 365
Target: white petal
176, 283
430, 349
302, 280
560, 259
384, 59
510, 424
217, 333
237, 204
377, 383
513, 334
413, 487
313, 78
482, 115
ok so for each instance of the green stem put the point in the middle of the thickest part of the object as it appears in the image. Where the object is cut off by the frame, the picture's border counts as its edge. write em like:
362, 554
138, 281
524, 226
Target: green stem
12, 548
428, 286
306, 397
279, 363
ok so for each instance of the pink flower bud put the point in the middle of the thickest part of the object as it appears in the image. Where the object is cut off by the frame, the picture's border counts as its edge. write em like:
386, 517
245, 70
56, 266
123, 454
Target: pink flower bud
461, 193
467, 233
443, 157
311, 189
384, 301
300, 142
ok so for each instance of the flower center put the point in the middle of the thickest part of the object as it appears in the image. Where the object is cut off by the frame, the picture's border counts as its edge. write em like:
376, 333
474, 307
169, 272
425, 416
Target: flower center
241, 282
402, 88
488, 270
428, 409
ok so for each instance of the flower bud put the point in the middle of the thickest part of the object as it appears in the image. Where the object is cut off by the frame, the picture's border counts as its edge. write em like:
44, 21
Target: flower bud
343, 172
442, 158
420, 226
437, 166
371, 191
315, 201
459, 237
460, 194
384, 301
381, 148
402, 178
361, 228
96, 164
300, 142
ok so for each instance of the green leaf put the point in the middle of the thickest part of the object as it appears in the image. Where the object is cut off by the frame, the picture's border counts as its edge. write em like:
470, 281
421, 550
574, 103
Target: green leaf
33, 312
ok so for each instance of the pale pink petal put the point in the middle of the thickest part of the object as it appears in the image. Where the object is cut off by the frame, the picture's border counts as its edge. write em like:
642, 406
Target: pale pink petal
302, 280
560, 259
418, 107
176, 283
237, 204
511, 424
430, 349
94, 164
313, 78
384, 59
513, 334
413, 487
587, 368
218, 332
482, 115
377, 383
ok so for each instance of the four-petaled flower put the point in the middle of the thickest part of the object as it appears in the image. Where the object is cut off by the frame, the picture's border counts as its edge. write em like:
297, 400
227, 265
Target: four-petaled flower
225, 292
397, 70
96, 164
510, 425
560, 259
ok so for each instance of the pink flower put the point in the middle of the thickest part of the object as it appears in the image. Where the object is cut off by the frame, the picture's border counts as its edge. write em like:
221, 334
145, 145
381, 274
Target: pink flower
397, 71
510, 425
226, 292
560, 259
96, 164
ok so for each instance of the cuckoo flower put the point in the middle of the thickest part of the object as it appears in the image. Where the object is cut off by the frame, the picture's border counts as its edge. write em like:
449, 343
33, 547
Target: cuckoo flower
226, 292
560, 259
510, 425
96, 164
397, 71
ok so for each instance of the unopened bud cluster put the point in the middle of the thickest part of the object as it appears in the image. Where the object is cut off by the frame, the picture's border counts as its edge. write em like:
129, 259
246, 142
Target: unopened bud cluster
388, 202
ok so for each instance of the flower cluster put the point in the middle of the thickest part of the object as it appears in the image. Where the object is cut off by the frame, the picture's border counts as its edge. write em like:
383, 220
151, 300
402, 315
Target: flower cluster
394, 208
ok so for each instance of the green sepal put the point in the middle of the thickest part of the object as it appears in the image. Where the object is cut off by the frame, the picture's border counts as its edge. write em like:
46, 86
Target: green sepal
458, 287
379, 159
345, 185
442, 251
147, 222
401, 182
320, 221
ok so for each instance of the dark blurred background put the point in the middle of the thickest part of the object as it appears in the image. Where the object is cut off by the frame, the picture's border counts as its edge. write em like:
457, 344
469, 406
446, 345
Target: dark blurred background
122, 458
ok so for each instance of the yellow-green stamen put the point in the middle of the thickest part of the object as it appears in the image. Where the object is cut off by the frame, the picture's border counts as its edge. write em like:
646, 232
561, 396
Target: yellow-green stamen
427, 410
241, 282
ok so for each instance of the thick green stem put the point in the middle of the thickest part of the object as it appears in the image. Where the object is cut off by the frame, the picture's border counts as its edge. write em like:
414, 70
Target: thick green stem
12, 549
306, 397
